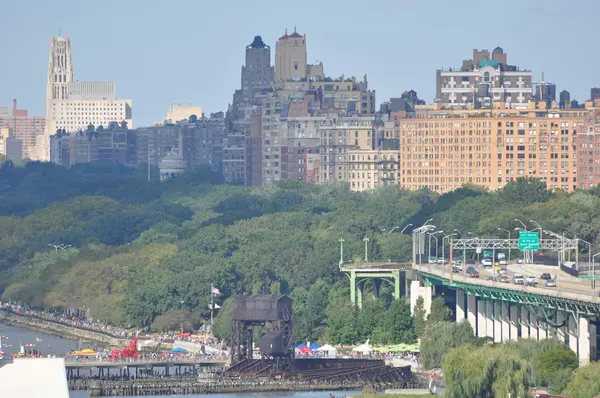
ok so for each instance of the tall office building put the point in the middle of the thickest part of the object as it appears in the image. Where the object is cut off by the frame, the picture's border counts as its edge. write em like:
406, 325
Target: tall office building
71, 105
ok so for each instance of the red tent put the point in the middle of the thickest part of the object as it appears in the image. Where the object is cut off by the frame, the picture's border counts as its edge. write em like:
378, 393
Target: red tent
305, 350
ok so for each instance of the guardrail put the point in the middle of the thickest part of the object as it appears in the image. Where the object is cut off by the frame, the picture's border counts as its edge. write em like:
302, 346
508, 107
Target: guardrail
589, 297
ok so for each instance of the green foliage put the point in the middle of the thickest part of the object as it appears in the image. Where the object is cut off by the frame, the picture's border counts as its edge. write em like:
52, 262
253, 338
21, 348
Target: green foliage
222, 322
419, 317
554, 368
440, 337
176, 320
497, 370
341, 320
140, 248
439, 311
398, 323
585, 382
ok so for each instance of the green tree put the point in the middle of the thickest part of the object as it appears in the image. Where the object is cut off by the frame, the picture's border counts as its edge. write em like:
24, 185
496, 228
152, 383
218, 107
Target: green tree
555, 367
222, 322
419, 317
585, 382
341, 320
399, 324
440, 337
370, 318
439, 311
176, 320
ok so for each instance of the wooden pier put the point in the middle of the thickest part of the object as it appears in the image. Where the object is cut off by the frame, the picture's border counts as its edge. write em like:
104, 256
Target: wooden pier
133, 369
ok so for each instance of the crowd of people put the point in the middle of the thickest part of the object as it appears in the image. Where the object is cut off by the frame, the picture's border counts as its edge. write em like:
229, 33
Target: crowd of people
70, 319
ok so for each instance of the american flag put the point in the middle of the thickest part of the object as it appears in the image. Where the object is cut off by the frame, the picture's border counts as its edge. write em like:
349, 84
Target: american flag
214, 290
216, 306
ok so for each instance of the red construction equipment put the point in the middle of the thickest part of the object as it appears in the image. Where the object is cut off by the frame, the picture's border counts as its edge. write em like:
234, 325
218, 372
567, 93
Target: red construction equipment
129, 351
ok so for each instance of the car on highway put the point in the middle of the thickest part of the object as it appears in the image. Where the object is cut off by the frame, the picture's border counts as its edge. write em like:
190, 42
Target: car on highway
474, 274
546, 276
504, 279
455, 269
531, 281
519, 261
550, 283
486, 262
518, 279
470, 269
502, 271
502, 262
458, 267
441, 260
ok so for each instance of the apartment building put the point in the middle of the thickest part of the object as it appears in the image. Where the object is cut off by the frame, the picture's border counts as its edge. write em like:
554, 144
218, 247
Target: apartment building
338, 137
444, 149
484, 79
588, 135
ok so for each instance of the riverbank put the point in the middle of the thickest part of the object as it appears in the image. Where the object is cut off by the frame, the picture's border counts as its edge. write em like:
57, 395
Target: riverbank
59, 330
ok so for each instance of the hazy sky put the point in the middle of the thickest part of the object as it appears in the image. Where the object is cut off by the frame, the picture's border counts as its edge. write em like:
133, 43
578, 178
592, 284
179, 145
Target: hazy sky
190, 51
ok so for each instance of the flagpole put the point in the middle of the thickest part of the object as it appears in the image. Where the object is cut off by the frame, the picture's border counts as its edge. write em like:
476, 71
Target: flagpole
212, 305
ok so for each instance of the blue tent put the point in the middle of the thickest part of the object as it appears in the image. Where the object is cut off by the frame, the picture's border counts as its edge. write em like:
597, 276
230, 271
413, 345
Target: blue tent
179, 349
314, 346
300, 346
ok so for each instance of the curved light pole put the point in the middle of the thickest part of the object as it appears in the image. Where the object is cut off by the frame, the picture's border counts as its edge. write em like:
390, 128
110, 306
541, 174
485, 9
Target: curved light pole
522, 223
404, 229
541, 235
61, 247
508, 232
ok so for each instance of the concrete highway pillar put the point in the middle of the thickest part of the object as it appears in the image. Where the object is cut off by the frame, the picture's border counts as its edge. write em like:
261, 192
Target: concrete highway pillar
524, 323
505, 321
497, 322
560, 331
593, 341
417, 290
573, 334
353, 287
460, 305
584, 341
480, 331
489, 319
542, 329
359, 294
472, 312
533, 326
514, 322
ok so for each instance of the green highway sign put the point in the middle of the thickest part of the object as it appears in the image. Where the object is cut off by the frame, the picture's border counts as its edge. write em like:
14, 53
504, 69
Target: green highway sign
529, 241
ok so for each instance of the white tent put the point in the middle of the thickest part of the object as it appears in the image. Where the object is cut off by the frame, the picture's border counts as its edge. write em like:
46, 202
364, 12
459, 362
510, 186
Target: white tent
363, 348
331, 351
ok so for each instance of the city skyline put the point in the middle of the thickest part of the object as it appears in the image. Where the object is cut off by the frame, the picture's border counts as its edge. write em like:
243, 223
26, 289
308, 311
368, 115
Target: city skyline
156, 54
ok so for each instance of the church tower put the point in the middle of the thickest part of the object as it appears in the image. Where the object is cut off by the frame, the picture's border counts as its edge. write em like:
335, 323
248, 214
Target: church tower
60, 70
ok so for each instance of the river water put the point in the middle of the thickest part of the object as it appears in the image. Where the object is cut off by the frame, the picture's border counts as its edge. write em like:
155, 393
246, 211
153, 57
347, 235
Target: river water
47, 344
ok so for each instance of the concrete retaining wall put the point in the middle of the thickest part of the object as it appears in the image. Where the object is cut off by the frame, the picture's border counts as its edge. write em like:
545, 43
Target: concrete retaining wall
59, 330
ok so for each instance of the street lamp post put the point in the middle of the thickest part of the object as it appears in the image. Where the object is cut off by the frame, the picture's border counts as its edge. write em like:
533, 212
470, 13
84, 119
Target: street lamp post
509, 244
430, 235
594, 270
404, 229
541, 235
366, 240
444, 250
